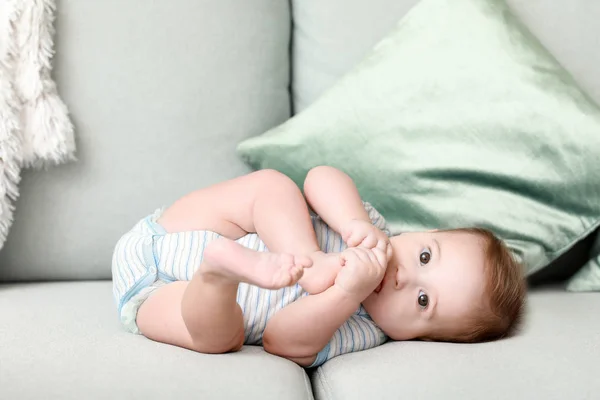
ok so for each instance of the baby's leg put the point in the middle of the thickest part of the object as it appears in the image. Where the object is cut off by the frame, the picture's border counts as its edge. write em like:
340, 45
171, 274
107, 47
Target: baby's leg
202, 314
266, 202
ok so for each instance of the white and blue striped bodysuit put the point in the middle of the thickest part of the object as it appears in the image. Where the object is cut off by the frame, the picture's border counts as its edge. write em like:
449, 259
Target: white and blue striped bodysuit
147, 257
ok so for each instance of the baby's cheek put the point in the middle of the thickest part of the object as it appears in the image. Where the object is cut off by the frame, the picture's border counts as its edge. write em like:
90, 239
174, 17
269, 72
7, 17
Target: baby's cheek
401, 308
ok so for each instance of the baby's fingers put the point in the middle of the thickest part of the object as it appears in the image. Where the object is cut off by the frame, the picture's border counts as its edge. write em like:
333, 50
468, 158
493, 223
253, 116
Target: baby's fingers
354, 240
389, 250
348, 255
380, 256
382, 244
369, 242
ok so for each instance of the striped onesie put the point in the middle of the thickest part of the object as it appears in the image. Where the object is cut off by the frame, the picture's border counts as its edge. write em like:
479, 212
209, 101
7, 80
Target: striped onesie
147, 257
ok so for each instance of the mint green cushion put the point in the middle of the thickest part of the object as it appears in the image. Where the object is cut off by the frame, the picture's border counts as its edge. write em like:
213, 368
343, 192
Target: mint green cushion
459, 117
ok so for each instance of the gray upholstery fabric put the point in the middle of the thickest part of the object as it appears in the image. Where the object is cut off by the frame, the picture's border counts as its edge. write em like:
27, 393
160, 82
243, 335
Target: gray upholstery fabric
555, 357
331, 36
160, 93
63, 341
569, 29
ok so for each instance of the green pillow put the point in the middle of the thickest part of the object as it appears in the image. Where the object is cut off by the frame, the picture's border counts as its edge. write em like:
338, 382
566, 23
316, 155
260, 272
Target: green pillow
588, 277
459, 117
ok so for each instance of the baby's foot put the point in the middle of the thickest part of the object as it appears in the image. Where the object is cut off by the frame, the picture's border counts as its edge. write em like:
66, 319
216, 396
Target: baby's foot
323, 272
230, 260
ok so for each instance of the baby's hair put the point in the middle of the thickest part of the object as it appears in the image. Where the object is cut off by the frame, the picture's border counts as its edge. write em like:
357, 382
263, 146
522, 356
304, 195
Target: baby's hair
501, 313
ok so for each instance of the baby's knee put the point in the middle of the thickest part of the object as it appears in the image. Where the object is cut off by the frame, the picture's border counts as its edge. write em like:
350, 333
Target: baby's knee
272, 175
219, 345
275, 180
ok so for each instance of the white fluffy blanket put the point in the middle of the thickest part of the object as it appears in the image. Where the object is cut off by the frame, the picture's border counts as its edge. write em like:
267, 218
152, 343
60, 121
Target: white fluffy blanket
35, 129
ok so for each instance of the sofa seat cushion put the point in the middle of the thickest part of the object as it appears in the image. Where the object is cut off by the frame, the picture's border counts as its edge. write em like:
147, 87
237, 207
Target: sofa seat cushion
555, 357
64, 341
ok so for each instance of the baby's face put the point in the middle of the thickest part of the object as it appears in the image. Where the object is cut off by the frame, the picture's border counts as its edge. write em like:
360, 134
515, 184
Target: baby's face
433, 280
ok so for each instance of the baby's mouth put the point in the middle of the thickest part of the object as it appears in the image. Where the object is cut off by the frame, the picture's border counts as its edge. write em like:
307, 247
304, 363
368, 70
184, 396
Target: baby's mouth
381, 285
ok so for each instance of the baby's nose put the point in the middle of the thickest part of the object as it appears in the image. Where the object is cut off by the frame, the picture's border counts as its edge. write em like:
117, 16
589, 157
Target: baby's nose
402, 278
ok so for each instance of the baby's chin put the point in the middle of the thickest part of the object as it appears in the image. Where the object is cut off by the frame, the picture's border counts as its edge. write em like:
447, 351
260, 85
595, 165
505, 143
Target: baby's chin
377, 295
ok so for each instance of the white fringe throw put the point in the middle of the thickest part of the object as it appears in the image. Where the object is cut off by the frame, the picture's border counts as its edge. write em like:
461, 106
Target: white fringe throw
35, 130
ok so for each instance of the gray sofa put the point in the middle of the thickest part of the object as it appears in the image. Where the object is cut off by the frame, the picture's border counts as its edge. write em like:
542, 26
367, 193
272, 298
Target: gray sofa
160, 93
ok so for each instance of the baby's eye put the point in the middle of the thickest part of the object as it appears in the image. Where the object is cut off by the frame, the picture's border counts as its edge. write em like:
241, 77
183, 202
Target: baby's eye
425, 257
423, 300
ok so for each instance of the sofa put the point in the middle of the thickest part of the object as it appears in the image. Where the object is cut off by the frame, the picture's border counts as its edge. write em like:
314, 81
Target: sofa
160, 93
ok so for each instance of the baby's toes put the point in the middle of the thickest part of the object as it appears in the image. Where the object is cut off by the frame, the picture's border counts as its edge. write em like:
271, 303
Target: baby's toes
283, 278
303, 261
296, 273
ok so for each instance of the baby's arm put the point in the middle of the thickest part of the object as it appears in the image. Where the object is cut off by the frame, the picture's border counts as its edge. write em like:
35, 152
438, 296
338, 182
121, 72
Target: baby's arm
333, 196
302, 329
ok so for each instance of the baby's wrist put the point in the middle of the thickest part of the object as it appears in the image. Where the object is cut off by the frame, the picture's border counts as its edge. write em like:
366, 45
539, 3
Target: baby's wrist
360, 219
347, 297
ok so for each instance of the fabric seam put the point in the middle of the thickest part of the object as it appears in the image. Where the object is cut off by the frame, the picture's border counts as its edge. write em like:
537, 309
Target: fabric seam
308, 386
324, 383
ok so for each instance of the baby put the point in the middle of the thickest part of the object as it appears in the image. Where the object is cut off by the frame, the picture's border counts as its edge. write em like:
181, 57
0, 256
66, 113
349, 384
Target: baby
199, 274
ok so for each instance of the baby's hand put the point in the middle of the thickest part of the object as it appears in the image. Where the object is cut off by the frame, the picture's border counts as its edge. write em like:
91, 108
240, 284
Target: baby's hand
359, 233
363, 270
